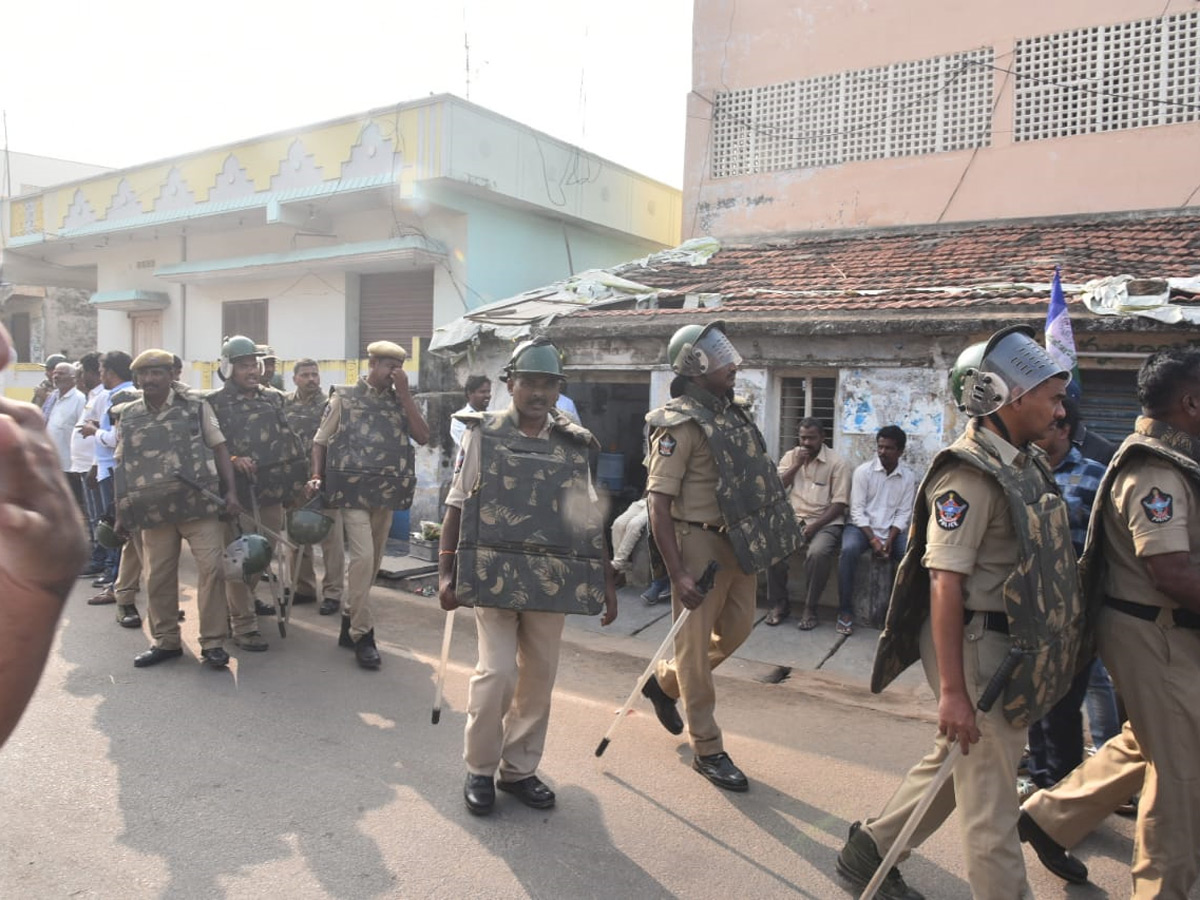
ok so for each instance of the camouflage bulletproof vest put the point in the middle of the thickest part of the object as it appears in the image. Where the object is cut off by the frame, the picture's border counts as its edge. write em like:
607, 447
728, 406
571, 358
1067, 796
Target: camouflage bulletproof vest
257, 427
154, 446
1151, 438
369, 461
1042, 599
760, 521
304, 416
532, 538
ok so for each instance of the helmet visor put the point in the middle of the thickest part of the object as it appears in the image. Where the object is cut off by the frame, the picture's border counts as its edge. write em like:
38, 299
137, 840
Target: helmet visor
711, 352
1021, 364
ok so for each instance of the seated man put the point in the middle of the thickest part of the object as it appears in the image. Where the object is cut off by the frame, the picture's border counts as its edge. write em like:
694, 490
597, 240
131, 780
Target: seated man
881, 505
628, 531
818, 484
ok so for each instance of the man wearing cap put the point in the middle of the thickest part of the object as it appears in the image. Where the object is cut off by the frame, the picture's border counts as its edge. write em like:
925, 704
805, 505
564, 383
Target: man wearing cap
270, 377
522, 542
713, 494
304, 408
158, 439
990, 556
268, 462
362, 461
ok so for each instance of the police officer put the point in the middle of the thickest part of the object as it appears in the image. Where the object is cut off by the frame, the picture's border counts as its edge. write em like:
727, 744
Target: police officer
157, 439
528, 544
1143, 563
713, 494
268, 462
362, 461
304, 407
990, 556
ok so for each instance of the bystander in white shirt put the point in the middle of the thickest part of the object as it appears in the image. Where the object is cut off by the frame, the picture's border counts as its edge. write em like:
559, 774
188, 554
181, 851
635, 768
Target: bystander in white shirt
882, 500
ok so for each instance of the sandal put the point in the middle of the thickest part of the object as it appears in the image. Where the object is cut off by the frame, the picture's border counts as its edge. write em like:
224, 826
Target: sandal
777, 615
807, 623
845, 625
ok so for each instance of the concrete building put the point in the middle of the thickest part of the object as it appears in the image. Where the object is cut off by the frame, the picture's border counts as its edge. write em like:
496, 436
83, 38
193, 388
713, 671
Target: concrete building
894, 112
45, 308
378, 225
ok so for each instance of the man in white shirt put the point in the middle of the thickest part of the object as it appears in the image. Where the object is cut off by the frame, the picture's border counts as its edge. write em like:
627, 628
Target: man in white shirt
64, 413
83, 459
881, 506
479, 397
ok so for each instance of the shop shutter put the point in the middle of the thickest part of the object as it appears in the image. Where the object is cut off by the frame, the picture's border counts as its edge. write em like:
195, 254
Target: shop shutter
395, 306
1109, 404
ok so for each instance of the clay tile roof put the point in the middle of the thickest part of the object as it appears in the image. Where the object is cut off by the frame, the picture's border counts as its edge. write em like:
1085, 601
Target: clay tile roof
931, 266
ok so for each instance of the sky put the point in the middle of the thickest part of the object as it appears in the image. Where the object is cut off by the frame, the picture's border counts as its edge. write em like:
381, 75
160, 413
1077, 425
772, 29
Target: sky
122, 82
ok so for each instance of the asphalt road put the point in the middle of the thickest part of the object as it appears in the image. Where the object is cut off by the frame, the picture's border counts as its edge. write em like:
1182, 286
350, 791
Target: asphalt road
295, 774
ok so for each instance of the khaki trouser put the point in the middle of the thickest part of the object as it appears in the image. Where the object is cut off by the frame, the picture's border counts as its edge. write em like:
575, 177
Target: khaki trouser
982, 787
711, 634
1156, 668
508, 701
240, 594
366, 534
129, 574
1075, 807
160, 550
333, 552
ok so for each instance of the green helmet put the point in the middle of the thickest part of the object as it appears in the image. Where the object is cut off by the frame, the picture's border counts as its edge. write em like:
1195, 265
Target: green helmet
307, 526
696, 349
246, 557
53, 360
107, 537
537, 357
237, 347
991, 374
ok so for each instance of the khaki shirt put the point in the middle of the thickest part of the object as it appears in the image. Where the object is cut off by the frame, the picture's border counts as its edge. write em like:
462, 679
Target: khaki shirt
818, 485
681, 465
333, 417
970, 529
210, 429
1153, 508
466, 467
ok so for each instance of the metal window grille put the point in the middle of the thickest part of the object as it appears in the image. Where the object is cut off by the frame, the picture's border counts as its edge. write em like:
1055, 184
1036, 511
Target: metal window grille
805, 396
245, 317
1108, 78
909, 108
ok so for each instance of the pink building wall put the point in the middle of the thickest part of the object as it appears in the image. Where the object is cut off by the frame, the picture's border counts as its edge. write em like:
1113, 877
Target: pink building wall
739, 45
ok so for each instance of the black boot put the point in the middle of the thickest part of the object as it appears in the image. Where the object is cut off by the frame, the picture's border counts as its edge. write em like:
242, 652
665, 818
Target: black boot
344, 639
365, 652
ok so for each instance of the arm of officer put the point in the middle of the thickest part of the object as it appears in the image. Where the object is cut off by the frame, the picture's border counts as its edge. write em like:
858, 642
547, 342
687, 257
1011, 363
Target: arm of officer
1175, 576
41, 548
225, 470
466, 476
956, 713
418, 428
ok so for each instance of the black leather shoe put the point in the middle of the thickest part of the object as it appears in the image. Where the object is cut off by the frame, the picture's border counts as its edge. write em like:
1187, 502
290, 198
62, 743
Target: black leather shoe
216, 658
262, 609
330, 606
301, 599
344, 639
664, 706
1050, 852
531, 791
155, 655
720, 770
103, 581
480, 794
127, 616
365, 652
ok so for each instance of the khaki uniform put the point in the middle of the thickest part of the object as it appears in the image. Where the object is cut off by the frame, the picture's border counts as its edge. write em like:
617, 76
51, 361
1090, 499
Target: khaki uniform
366, 532
129, 575
681, 465
1151, 508
304, 417
160, 548
970, 531
508, 700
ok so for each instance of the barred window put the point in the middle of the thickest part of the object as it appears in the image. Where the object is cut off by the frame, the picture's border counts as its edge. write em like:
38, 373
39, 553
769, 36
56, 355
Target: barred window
805, 396
1108, 78
909, 108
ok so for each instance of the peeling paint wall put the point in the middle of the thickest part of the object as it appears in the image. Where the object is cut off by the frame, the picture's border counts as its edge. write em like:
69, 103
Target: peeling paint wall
916, 399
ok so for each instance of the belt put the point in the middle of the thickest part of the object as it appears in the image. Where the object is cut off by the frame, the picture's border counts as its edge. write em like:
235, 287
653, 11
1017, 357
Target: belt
992, 621
704, 526
1184, 618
